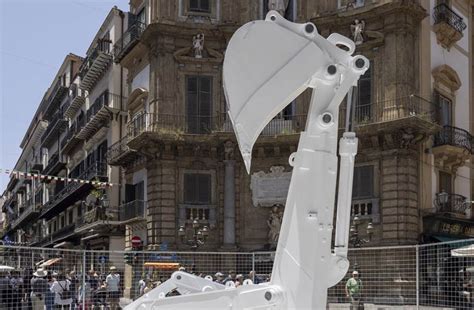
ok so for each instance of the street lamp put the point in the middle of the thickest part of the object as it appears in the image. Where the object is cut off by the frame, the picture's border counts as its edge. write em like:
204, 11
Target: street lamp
354, 232
199, 237
442, 200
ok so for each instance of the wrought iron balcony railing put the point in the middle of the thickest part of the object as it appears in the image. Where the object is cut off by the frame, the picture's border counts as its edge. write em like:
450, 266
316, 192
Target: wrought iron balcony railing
197, 124
128, 40
96, 170
54, 100
451, 204
53, 162
56, 123
95, 64
442, 13
135, 209
454, 136
106, 99
392, 110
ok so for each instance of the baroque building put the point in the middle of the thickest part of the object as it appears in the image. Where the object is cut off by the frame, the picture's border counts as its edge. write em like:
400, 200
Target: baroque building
412, 115
145, 110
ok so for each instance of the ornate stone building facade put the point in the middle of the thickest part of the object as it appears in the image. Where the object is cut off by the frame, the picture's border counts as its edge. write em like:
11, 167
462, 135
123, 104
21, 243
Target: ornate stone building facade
178, 151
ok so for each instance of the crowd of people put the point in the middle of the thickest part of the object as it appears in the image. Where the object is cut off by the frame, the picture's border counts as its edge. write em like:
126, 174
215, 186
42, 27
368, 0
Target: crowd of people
146, 283
48, 290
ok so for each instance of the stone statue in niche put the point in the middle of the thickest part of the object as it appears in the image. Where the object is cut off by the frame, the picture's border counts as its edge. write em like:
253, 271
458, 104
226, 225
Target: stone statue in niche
198, 45
278, 5
357, 29
274, 225
229, 150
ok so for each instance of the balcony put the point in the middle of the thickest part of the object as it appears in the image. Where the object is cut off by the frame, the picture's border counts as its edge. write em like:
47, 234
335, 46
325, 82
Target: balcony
76, 100
451, 205
57, 123
120, 154
133, 211
55, 98
411, 112
172, 127
70, 140
37, 164
96, 218
100, 112
95, 64
55, 164
30, 211
203, 213
448, 26
452, 147
73, 191
129, 39
366, 209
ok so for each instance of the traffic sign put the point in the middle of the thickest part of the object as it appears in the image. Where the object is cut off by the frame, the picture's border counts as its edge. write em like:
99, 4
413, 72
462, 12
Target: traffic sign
136, 242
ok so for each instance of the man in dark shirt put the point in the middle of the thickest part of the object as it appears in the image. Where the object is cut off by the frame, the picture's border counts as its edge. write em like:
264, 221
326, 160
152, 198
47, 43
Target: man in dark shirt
5, 290
39, 287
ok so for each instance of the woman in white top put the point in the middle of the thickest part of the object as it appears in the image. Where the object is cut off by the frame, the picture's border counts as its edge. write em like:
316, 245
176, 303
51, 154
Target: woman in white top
58, 287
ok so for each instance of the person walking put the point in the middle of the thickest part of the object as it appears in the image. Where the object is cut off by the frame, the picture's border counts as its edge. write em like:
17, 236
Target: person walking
112, 283
39, 288
62, 292
49, 298
353, 291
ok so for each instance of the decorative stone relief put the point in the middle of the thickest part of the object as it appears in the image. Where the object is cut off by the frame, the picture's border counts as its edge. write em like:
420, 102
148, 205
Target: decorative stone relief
198, 45
269, 189
274, 224
229, 150
278, 5
357, 29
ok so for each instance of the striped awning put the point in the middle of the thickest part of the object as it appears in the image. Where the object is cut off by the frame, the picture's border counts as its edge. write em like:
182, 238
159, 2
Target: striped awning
162, 265
51, 261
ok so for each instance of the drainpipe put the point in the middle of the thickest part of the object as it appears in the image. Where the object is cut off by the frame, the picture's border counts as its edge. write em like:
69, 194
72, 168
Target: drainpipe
122, 104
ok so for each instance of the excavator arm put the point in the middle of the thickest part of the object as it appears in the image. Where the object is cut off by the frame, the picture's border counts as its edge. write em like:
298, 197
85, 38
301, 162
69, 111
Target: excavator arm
267, 65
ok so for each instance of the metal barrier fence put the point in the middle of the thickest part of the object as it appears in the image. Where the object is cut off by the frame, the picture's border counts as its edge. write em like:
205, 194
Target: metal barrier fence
427, 276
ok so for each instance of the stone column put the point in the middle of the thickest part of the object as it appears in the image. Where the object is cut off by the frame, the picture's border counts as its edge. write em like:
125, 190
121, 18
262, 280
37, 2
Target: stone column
229, 196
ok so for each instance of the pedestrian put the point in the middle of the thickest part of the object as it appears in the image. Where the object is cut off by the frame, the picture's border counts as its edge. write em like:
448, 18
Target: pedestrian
16, 285
49, 298
230, 277
5, 290
62, 292
39, 288
353, 291
141, 285
219, 277
239, 280
112, 283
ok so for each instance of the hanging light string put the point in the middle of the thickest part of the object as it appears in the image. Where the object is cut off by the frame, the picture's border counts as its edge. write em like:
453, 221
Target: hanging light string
38, 176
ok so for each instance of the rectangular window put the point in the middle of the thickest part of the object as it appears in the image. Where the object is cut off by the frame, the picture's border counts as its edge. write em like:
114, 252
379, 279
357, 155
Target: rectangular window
198, 104
445, 182
446, 108
79, 211
363, 105
363, 186
71, 216
135, 191
200, 6
63, 221
197, 188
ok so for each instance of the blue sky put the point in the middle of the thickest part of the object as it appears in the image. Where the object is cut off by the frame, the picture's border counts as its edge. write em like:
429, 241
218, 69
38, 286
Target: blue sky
35, 36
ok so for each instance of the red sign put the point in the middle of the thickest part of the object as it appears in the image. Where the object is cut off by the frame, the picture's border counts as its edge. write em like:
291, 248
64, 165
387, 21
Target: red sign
136, 241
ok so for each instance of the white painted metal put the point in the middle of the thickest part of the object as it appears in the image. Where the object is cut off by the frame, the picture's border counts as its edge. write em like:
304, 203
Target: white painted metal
267, 65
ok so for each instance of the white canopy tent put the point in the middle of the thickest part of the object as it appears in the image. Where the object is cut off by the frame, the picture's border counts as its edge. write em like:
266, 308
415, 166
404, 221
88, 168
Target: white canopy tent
465, 251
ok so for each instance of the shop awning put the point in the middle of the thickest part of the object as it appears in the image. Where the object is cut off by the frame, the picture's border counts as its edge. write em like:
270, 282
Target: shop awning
465, 251
162, 265
50, 262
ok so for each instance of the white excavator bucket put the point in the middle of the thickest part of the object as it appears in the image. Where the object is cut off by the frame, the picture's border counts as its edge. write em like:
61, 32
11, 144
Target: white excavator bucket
266, 66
